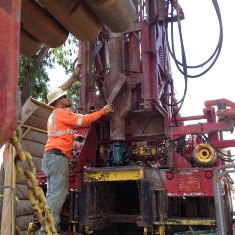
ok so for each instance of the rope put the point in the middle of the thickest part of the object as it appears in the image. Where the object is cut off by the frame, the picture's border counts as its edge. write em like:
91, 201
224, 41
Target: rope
36, 195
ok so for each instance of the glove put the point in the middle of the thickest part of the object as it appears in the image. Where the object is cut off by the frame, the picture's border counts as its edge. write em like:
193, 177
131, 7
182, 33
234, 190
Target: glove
109, 108
79, 138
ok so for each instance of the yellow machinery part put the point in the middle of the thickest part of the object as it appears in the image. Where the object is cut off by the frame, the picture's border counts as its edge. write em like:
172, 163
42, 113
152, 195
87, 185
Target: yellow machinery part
204, 153
147, 151
206, 222
113, 174
161, 225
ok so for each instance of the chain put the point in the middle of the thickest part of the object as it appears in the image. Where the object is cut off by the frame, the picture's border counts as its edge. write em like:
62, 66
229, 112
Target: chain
36, 195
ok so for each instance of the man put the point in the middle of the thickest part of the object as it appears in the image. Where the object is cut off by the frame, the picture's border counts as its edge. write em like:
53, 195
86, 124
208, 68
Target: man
55, 163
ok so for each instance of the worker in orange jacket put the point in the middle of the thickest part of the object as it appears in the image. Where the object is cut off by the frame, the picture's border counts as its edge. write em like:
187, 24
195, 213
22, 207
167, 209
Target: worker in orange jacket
55, 163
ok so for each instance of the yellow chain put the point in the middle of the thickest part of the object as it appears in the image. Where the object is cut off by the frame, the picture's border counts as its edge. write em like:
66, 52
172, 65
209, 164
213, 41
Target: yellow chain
36, 195
18, 231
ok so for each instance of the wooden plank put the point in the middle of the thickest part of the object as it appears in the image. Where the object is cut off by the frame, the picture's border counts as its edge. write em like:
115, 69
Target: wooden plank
35, 149
37, 122
27, 110
36, 136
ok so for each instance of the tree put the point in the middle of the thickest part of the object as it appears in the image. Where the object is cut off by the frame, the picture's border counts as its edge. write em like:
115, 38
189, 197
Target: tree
33, 76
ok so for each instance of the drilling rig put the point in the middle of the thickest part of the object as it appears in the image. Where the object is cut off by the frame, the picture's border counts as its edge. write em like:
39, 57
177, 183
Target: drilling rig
141, 169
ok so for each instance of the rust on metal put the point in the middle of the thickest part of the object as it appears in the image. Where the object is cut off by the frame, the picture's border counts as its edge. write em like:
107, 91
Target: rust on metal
226, 114
117, 15
29, 45
189, 183
196, 221
75, 16
50, 22
41, 25
116, 89
113, 174
9, 54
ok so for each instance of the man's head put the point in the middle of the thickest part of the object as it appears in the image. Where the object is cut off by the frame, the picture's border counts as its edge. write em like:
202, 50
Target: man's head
58, 98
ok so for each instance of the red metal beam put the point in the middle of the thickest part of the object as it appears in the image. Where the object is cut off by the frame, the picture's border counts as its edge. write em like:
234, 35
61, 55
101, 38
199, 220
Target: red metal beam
201, 128
210, 103
9, 54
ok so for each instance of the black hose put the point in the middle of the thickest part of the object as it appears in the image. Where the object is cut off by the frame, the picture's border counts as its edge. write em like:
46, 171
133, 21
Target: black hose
215, 54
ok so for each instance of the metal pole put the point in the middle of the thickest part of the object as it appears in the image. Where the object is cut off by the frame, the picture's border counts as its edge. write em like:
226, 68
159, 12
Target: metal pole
219, 206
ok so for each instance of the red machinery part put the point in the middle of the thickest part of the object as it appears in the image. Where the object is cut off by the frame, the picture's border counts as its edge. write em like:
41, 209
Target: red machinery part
190, 182
169, 175
9, 53
208, 174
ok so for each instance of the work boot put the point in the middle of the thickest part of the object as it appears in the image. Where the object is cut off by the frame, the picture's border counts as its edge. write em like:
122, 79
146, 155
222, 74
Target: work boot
62, 232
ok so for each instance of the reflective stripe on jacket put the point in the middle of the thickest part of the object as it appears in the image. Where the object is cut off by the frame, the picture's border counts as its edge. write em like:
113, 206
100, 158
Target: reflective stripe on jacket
60, 128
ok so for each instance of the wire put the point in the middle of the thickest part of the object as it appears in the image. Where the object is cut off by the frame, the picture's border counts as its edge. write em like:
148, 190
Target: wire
215, 53
74, 62
184, 71
228, 157
181, 101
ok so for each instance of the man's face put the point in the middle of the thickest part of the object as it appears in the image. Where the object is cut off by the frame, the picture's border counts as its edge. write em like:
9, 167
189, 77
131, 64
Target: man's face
65, 101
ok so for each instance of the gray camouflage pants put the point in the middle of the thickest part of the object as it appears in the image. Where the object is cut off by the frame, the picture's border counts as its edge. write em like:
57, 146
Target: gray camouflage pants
56, 168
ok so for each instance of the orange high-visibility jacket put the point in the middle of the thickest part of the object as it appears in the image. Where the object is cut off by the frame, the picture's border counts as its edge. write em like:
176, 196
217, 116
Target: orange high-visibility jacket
60, 128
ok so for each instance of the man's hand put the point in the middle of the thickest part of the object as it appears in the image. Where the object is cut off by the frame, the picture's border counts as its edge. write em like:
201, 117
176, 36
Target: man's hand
79, 137
109, 108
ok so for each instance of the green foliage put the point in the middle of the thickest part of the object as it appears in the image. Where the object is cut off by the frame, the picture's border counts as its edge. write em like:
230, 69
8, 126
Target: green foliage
33, 76
65, 55
74, 92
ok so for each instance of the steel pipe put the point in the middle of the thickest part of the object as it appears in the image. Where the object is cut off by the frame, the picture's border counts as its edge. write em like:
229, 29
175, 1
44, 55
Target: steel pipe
117, 15
75, 16
41, 25
219, 206
29, 45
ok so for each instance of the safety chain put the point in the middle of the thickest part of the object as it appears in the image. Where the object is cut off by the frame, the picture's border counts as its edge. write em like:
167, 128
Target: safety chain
36, 195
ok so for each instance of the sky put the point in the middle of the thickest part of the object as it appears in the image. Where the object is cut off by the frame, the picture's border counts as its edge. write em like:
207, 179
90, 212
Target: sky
200, 30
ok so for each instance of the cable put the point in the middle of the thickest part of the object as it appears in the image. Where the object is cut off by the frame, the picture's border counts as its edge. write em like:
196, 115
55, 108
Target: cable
215, 54
181, 101
227, 159
74, 62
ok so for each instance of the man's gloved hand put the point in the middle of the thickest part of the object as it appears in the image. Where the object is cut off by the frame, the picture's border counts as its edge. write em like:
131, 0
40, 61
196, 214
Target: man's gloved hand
79, 137
109, 108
